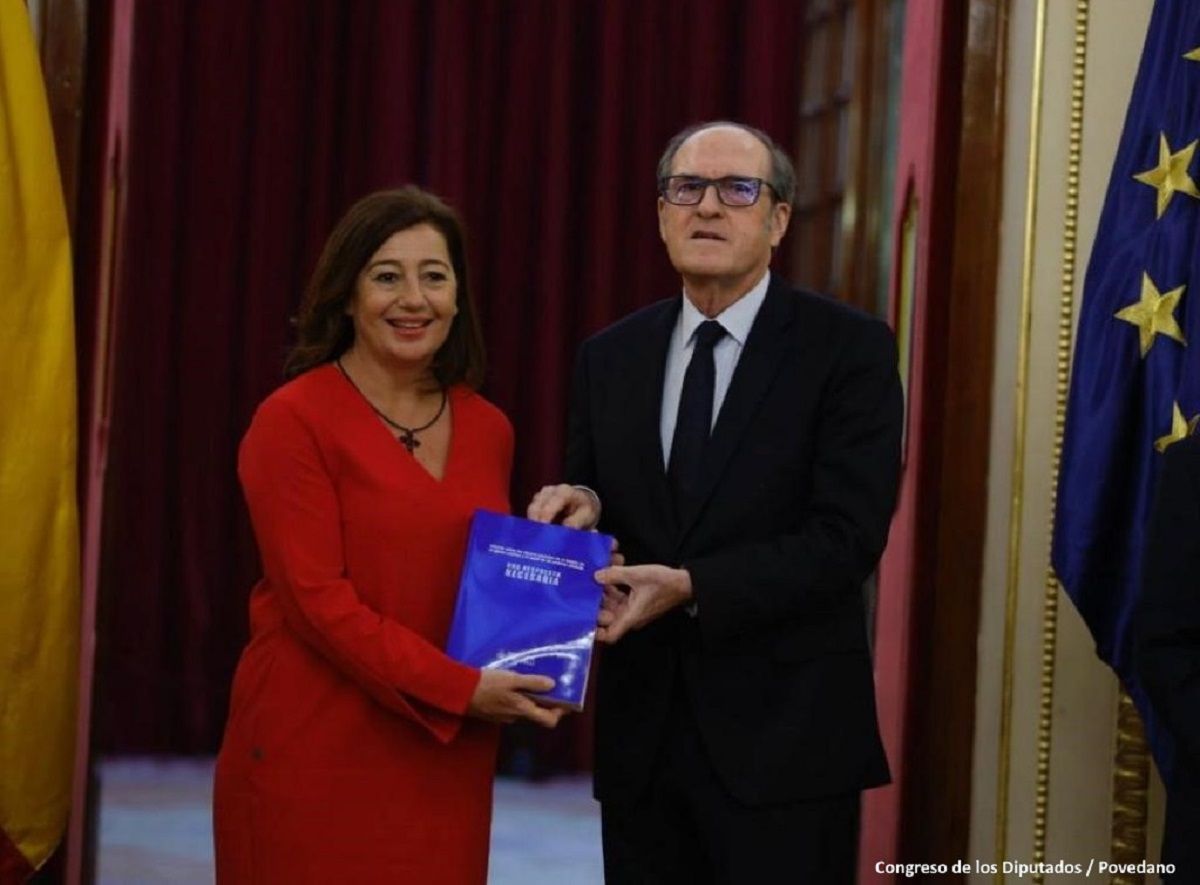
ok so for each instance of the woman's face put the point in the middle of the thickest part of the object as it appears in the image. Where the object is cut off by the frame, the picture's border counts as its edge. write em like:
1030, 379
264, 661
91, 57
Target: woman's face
405, 298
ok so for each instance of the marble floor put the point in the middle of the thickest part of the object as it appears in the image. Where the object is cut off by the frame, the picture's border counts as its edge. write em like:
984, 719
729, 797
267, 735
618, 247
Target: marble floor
155, 827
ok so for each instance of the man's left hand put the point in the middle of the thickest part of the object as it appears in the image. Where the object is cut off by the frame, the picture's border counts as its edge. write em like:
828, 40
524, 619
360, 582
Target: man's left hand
653, 591
572, 505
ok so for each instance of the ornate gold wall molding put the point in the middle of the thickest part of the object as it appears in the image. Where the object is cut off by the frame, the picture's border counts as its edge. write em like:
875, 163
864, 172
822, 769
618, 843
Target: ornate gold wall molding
1066, 313
1131, 780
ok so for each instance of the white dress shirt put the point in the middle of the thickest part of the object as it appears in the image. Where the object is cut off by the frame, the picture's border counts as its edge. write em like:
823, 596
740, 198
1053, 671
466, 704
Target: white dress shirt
736, 320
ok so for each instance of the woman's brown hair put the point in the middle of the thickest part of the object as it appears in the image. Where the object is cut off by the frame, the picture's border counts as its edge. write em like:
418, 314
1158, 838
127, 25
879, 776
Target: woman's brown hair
325, 330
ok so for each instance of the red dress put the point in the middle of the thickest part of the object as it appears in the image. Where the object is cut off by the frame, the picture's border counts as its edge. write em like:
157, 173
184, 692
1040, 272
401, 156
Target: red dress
347, 757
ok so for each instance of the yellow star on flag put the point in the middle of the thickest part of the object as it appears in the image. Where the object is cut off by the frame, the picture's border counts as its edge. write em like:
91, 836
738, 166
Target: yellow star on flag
1194, 55
1153, 314
1181, 428
1171, 174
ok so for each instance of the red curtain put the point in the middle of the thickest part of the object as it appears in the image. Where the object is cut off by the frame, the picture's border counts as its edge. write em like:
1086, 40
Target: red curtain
253, 125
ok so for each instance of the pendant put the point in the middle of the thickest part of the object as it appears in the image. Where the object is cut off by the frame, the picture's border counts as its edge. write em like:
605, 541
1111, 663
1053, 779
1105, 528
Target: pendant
408, 440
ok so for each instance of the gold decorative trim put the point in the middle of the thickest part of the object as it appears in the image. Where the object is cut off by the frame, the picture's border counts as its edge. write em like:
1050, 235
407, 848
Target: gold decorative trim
1131, 780
1066, 313
1003, 767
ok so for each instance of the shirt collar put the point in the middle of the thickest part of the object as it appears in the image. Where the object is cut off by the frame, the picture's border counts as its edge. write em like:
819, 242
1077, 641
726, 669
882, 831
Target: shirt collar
735, 319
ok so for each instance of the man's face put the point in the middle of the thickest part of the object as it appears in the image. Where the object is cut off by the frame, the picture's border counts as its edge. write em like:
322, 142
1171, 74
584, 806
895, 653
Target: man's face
711, 242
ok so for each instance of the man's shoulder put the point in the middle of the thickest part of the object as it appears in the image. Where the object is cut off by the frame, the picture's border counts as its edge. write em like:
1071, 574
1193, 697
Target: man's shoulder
635, 326
813, 310
818, 304
822, 319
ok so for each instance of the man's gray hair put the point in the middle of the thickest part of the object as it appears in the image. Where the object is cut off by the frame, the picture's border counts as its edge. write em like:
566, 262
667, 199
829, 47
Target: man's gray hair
782, 176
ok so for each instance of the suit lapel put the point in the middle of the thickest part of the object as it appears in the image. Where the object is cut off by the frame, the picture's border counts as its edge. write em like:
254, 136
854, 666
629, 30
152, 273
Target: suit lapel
759, 363
646, 399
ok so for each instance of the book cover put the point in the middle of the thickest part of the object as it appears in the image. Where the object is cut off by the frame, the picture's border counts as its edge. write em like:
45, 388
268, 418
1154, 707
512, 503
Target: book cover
527, 601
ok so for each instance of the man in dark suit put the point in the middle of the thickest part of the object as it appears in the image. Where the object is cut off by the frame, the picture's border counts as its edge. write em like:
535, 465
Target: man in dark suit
1167, 644
744, 440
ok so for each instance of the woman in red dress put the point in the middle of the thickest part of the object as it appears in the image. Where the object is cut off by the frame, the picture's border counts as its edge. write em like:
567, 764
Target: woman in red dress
356, 750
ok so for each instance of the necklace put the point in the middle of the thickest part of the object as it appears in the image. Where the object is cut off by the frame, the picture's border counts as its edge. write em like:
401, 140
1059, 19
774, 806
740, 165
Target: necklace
408, 435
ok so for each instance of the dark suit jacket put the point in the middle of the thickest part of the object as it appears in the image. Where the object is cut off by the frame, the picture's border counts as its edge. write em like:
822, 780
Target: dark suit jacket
1167, 643
801, 474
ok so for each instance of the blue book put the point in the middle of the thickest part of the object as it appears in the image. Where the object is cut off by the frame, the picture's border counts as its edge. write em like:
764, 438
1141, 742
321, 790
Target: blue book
527, 601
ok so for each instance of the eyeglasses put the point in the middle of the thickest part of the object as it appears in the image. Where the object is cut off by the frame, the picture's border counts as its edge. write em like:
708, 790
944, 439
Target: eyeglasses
732, 190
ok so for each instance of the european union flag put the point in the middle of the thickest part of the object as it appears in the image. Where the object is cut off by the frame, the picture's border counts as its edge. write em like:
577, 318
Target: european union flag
1135, 381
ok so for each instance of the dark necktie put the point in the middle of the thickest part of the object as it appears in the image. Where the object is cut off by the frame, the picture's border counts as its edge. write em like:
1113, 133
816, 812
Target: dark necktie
694, 421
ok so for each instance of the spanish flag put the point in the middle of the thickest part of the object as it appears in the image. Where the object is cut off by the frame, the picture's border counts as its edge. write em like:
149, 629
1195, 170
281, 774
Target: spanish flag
39, 534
